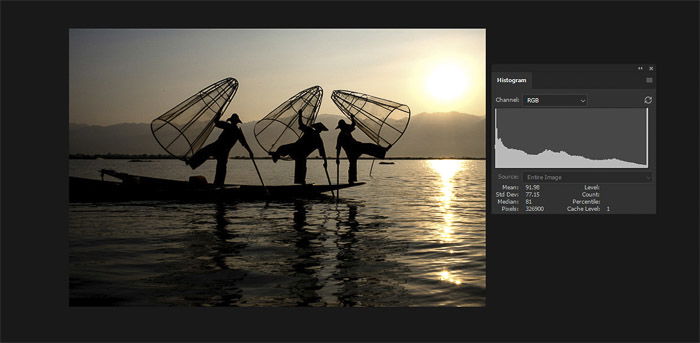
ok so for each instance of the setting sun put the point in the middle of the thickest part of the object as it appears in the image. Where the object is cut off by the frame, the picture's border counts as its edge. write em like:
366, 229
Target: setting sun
447, 82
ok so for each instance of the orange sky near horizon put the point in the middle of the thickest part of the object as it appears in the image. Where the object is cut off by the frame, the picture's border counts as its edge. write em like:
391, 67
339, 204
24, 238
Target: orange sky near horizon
135, 75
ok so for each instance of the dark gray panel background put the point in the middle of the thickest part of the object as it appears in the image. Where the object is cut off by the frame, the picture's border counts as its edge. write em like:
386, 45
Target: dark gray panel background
594, 133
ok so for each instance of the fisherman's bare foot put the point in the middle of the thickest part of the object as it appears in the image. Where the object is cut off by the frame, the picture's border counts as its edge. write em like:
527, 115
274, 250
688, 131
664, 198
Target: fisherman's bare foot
275, 157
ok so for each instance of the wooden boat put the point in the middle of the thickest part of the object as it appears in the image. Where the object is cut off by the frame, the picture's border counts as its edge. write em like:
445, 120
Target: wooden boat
133, 187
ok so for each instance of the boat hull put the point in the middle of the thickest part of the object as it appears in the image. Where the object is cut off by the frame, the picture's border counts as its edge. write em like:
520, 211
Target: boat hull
136, 188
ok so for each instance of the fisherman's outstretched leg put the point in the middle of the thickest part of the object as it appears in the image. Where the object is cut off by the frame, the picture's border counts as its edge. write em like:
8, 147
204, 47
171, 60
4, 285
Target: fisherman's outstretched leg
371, 149
201, 156
283, 150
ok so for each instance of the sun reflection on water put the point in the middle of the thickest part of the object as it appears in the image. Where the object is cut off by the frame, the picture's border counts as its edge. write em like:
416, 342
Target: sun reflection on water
445, 275
446, 169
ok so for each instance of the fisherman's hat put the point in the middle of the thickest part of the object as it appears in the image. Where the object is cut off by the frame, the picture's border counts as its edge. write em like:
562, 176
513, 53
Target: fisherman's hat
234, 119
319, 126
341, 124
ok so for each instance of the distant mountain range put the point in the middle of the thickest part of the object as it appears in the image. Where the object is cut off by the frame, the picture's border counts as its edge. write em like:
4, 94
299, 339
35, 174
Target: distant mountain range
435, 135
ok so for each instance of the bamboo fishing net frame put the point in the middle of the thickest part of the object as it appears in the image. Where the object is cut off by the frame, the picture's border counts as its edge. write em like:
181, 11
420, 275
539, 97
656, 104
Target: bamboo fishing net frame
216, 98
347, 102
311, 96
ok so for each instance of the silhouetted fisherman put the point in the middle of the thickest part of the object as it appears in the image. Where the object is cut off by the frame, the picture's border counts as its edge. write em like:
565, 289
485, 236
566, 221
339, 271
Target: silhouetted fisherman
309, 141
221, 147
354, 149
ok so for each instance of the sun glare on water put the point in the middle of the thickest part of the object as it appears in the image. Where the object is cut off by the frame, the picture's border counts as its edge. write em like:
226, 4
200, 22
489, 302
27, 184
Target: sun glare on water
445, 231
446, 169
445, 275
447, 82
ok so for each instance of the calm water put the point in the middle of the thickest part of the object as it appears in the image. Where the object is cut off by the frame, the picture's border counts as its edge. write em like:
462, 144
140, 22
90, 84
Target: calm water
414, 235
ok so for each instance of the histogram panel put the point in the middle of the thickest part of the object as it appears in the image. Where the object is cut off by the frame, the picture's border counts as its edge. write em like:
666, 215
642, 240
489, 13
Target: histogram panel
571, 137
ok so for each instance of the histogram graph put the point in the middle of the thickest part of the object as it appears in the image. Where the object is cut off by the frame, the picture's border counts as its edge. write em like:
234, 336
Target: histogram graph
571, 137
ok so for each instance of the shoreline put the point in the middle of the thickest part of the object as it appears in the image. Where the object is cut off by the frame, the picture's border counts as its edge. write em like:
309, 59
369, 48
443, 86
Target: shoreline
168, 157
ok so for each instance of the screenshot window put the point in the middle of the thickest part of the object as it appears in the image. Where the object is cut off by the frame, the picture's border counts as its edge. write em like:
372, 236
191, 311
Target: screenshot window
496, 171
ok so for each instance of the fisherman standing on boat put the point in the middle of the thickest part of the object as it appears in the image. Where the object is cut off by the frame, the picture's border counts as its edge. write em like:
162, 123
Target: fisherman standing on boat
309, 141
354, 149
221, 147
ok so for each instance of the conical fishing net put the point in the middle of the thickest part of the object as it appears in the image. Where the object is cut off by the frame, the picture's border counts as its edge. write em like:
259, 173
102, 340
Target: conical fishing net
383, 121
183, 130
281, 126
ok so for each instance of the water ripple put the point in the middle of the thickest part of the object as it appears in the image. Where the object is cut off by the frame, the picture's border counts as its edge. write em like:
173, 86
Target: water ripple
413, 236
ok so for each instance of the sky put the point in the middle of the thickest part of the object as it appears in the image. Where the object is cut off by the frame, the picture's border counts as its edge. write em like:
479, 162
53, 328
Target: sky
135, 75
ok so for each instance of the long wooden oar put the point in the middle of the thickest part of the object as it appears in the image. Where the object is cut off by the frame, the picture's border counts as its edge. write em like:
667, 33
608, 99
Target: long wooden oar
329, 180
267, 191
